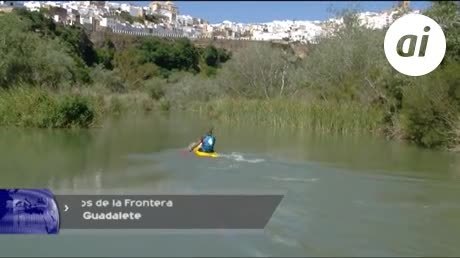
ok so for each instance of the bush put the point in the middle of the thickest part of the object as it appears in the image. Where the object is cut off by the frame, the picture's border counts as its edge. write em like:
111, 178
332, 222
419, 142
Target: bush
108, 80
34, 107
180, 54
26, 107
73, 111
191, 88
105, 54
52, 67
431, 108
131, 67
213, 56
155, 88
165, 105
259, 72
350, 65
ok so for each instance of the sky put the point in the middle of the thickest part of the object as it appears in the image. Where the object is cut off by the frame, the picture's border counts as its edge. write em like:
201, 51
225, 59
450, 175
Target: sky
266, 11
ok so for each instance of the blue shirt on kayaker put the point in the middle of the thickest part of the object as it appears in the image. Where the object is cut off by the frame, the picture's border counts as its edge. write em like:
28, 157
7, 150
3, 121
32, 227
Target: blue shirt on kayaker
207, 142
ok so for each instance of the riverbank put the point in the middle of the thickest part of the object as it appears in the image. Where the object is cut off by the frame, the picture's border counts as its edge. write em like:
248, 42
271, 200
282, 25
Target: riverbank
42, 108
85, 108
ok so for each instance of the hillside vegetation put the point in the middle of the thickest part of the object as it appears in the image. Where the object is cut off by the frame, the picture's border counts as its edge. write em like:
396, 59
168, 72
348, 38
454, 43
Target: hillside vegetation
50, 70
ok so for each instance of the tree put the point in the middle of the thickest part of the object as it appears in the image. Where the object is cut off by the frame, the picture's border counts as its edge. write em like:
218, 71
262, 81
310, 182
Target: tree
447, 14
106, 53
79, 41
347, 66
37, 21
211, 56
132, 68
125, 16
431, 108
28, 57
259, 72
74, 36
170, 55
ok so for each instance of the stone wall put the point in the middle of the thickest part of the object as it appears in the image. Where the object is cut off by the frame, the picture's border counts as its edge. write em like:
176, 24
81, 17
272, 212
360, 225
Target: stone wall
121, 39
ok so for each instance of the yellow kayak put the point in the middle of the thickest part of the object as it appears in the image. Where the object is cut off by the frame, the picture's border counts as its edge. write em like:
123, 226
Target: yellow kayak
205, 154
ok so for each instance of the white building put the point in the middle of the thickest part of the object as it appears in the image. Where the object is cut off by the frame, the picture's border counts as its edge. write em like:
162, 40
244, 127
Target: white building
72, 5
125, 7
185, 20
73, 17
265, 36
108, 22
50, 4
33, 6
83, 3
136, 11
113, 6
86, 20
167, 9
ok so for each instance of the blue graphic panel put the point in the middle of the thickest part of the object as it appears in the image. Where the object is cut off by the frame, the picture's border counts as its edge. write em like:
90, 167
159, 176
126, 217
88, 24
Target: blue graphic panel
28, 211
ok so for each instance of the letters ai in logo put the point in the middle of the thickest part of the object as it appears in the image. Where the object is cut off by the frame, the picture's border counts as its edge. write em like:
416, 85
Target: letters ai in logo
415, 45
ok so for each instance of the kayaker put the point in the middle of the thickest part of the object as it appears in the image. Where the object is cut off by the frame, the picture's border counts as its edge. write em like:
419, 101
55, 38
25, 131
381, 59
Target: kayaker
206, 143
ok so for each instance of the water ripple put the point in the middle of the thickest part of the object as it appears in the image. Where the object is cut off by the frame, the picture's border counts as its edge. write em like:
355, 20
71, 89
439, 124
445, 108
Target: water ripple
293, 179
240, 158
284, 240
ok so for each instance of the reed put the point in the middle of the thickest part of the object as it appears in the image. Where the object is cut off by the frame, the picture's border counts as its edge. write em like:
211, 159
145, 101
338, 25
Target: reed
344, 118
36, 107
26, 106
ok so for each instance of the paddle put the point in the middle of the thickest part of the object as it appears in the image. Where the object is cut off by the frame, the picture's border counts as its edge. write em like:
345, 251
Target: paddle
193, 145
189, 148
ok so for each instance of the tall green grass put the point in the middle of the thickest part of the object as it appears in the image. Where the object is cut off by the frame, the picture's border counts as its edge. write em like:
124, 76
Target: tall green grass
36, 107
345, 118
26, 106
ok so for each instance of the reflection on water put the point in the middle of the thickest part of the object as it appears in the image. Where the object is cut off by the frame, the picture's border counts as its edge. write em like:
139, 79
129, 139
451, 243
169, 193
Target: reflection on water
345, 196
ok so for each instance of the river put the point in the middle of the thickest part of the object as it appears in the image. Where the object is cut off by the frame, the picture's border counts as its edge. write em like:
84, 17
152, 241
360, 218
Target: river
344, 196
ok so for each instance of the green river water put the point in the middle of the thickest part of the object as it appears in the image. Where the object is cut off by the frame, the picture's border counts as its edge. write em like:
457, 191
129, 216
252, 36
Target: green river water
344, 196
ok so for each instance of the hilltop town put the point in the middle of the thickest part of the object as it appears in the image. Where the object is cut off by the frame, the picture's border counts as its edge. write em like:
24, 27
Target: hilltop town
162, 18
